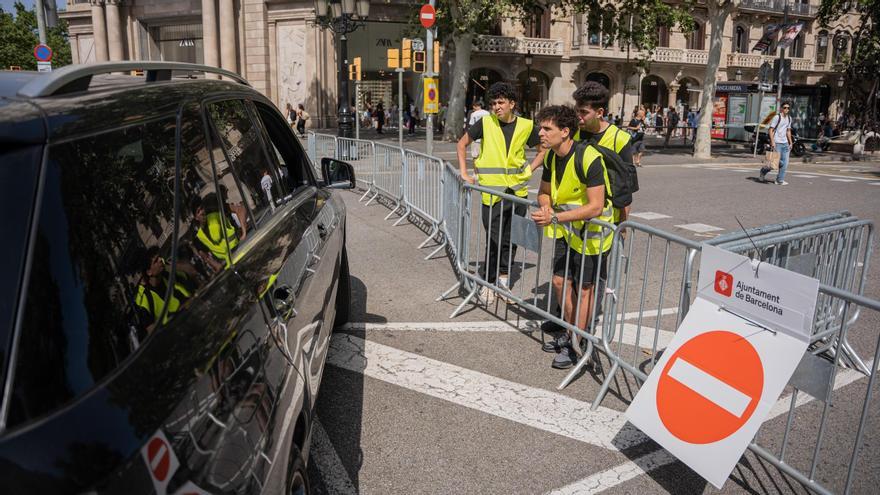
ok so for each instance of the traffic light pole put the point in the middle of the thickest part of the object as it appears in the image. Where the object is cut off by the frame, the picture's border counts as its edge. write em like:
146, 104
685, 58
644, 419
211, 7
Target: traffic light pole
357, 109
400, 71
429, 72
781, 60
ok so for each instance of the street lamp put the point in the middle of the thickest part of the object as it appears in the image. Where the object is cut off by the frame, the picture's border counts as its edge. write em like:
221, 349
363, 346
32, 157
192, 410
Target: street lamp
528, 83
345, 16
738, 75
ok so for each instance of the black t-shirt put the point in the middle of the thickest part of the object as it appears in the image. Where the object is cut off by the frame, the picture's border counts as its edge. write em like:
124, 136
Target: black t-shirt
626, 153
595, 174
507, 128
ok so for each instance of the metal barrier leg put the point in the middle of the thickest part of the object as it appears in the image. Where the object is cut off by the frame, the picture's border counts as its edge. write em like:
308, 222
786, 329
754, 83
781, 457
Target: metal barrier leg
583, 361
605, 385
448, 291
435, 229
404, 216
372, 199
439, 248
368, 191
466, 301
394, 210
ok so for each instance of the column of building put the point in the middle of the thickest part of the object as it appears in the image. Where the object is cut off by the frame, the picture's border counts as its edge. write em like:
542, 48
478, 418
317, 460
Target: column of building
107, 30
228, 59
209, 34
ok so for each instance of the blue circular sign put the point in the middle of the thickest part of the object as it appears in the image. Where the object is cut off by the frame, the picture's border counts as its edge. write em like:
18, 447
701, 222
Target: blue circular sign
43, 53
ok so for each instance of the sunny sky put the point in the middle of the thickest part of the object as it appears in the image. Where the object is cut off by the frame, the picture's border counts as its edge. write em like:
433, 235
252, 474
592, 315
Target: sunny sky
7, 4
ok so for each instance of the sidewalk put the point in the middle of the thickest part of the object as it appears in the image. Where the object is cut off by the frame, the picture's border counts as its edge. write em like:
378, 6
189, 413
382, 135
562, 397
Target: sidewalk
723, 152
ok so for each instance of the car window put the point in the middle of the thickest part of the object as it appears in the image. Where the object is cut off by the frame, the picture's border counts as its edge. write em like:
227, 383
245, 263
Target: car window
100, 279
292, 160
251, 185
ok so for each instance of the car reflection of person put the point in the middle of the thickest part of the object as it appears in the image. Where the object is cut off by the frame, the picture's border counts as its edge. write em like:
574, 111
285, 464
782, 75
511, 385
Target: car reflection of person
213, 232
153, 283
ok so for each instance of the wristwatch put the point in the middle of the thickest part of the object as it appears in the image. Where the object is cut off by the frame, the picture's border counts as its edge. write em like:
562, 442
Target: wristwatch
554, 219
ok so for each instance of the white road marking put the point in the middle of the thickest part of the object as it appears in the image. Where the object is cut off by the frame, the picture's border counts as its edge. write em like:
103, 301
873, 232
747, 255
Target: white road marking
649, 215
329, 464
701, 228
842, 180
800, 176
542, 409
875, 183
710, 387
622, 473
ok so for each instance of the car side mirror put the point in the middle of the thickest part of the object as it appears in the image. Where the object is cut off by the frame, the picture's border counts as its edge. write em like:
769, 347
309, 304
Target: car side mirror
337, 174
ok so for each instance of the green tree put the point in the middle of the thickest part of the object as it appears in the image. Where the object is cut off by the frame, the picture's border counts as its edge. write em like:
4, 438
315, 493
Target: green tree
18, 37
862, 64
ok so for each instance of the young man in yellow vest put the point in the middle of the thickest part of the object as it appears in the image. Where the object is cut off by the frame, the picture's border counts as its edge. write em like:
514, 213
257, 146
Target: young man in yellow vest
502, 167
566, 206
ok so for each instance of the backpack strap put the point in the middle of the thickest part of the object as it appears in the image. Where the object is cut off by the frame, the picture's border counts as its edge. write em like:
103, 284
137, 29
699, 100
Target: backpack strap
579, 151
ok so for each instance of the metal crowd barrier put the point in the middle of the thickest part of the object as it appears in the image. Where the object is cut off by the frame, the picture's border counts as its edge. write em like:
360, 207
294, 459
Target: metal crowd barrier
649, 288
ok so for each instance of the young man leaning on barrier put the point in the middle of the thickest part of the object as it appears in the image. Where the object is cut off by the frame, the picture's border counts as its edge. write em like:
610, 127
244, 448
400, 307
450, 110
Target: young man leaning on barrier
591, 102
568, 200
501, 167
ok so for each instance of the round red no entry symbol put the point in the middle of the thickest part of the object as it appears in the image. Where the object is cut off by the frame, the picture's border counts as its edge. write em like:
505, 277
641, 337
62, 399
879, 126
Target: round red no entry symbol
710, 387
427, 16
432, 94
158, 453
43, 53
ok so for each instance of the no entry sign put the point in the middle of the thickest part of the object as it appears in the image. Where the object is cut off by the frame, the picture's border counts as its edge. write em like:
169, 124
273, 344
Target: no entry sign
427, 16
730, 359
710, 387
160, 460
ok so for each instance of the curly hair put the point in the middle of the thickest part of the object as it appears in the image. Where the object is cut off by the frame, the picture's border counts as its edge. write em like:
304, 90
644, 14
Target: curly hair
501, 90
562, 116
591, 94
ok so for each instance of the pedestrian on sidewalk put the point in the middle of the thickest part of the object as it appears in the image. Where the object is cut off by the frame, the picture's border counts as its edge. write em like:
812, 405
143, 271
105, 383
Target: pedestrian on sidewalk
502, 167
671, 123
380, 117
568, 199
636, 129
301, 117
780, 141
476, 114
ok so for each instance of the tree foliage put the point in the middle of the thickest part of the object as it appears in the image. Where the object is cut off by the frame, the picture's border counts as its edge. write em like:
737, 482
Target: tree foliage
862, 63
18, 37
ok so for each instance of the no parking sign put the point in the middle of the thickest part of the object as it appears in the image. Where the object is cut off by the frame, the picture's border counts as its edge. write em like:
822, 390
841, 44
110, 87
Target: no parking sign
729, 360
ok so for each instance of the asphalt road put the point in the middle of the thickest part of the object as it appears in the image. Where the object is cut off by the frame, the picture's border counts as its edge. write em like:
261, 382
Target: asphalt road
415, 402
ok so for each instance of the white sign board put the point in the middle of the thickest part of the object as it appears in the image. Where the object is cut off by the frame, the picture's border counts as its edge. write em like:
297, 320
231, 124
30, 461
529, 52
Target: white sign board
719, 377
44, 66
161, 461
418, 45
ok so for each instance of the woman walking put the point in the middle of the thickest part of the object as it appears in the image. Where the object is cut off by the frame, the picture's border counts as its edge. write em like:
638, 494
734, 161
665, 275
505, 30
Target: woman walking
301, 117
636, 129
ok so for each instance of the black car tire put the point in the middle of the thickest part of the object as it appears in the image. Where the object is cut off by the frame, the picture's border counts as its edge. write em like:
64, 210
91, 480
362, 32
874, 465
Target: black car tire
343, 293
298, 483
798, 149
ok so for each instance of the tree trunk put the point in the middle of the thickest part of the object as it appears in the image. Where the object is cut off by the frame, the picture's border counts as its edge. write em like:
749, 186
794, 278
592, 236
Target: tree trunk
452, 128
717, 18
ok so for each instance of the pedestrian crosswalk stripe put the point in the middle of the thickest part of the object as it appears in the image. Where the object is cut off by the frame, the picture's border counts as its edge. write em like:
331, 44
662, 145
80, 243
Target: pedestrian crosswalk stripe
803, 176
701, 228
539, 408
842, 180
649, 215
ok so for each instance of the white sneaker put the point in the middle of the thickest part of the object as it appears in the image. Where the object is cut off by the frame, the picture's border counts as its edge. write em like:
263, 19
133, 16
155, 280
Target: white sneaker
781, 183
503, 282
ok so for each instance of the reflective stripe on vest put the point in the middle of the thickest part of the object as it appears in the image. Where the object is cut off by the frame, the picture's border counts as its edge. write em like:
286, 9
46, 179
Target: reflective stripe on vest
499, 168
218, 247
571, 194
613, 139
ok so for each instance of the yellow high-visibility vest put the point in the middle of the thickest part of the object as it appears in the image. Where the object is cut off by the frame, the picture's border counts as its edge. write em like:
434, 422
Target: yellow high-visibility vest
213, 239
613, 139
571, 194
152, 301
501, 169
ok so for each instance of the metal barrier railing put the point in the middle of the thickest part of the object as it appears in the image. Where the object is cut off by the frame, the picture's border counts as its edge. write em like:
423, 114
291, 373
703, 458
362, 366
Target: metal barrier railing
650, 279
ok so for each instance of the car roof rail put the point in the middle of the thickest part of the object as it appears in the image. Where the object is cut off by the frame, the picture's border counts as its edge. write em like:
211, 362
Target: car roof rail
72, 78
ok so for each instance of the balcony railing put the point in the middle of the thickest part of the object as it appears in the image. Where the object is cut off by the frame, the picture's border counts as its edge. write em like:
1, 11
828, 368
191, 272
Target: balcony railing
755, 60
778, 6
509, 44
680, 55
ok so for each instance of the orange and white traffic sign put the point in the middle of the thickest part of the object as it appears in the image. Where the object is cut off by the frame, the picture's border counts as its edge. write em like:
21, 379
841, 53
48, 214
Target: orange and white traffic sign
161, 461
716, 382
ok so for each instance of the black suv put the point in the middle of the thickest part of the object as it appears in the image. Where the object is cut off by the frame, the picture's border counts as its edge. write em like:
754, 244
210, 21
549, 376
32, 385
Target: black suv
172, 271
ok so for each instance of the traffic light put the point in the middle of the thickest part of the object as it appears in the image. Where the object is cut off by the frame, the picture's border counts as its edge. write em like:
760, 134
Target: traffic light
393, 58
419, 61
437, 57
354, 70
406, 53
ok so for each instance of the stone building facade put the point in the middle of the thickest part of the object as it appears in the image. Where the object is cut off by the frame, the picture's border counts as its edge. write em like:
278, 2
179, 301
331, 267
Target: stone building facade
276, 45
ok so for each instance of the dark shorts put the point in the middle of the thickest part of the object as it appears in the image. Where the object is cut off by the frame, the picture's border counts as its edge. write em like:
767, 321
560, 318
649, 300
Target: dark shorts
590, 264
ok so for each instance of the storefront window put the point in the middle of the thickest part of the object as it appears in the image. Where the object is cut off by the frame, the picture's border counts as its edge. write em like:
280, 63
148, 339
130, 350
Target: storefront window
176, 43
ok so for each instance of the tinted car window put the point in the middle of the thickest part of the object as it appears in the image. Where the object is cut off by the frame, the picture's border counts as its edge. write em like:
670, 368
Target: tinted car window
291, 158
100, 279
258, 186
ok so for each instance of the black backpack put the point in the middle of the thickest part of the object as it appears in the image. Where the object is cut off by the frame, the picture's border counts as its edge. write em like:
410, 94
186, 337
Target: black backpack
621, 174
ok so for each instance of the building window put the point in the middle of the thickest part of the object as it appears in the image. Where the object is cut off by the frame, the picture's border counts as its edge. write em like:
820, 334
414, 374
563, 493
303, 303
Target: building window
797, 46
696, 40
822, 47
663, 36
841, 42
538, 24
740, 40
